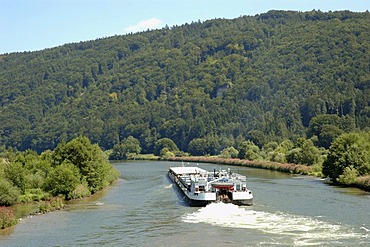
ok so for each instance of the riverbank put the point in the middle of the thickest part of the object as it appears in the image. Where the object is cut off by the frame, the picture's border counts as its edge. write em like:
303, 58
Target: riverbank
361, 182
291, 168
11, 215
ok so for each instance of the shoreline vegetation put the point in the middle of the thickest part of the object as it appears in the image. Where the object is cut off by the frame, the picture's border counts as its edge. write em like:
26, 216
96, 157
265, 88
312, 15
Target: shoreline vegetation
78, 169
345, 162
73, 170
362, 182
249, 90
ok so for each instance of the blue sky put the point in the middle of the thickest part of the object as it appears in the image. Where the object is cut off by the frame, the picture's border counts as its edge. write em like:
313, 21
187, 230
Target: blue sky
29, 25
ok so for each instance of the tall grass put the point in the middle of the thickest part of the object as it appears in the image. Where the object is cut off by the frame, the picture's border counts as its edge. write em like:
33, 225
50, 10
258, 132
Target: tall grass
314, 170
7, 217
363, 182
284, 167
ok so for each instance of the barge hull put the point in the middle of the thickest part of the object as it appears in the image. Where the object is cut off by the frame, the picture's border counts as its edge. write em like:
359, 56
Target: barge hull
180, 177
181, 190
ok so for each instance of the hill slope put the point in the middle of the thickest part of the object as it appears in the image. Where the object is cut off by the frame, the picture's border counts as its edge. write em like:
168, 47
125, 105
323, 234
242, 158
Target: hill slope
263, 77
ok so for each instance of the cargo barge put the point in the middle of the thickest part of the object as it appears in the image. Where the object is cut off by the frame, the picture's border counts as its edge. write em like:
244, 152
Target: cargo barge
201, 187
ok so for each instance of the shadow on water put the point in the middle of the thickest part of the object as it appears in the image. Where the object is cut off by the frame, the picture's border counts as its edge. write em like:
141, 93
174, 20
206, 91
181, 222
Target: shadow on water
348, 190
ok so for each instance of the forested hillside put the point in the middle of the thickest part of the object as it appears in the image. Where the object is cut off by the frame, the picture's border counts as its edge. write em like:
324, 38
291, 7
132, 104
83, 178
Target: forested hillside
275, 76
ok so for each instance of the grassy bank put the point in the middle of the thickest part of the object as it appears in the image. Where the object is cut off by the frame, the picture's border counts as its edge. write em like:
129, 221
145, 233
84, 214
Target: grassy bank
7, 217
291, 168
361, 182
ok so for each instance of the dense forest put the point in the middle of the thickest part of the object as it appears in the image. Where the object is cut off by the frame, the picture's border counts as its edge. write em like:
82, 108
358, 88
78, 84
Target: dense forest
206, 86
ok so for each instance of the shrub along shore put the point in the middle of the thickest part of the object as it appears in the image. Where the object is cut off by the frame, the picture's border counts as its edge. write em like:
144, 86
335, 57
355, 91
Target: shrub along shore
361, 182
73, 170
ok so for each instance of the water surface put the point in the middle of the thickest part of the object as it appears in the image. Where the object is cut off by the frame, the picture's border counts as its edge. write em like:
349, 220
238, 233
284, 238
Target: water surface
142, 209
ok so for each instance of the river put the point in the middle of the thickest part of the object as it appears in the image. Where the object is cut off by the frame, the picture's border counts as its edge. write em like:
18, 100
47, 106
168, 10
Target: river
142, 209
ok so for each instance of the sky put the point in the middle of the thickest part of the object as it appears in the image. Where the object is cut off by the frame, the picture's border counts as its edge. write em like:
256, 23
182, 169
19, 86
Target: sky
29, 25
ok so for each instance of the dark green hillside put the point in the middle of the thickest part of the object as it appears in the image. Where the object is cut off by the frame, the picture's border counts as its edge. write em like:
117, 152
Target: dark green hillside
268, 77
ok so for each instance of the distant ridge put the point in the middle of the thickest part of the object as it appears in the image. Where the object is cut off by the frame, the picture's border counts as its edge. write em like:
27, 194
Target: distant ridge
265, 78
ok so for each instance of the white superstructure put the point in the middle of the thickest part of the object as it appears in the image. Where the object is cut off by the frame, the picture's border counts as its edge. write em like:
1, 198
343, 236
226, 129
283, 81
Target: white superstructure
202, 187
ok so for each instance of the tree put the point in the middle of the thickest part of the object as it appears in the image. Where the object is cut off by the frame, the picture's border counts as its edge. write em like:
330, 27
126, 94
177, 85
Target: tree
349, 150
63, 180
349, 176
327, 127
279, 154
16, 174
89, 159
8, 193
249, 151
129, 145
233, 78
257, 137
229, 152
198, 146
164, 143
327, 135
316, 123
305, 153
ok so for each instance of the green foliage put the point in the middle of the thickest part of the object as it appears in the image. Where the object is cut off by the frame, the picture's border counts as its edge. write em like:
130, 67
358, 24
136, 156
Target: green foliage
229, 152
129, 145
73, 170
249, 151
263, 78
34, 181
80, 158
327, 127
349, 176
327, 135
56, 203
305, 153
15, 173
257, 137
165, 152
63, 180
198, 146
207, 145
8, 193
279, 154
164, 143
31, 195
349, 150
80, 191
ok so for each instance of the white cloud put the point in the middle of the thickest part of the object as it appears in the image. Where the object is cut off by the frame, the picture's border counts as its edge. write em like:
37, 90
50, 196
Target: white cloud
151, 23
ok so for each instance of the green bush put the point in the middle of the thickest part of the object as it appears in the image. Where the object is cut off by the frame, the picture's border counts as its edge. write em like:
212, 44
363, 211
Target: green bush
15, 173
129, 145
249, 151
31, 195
349, 150
8, 193
163, 145
33, 181
90, 161
80, 191
56, 203
349, 176
62, 180
229, 152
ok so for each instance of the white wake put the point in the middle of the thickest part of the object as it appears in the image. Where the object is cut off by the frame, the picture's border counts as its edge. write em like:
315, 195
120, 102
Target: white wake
304, 230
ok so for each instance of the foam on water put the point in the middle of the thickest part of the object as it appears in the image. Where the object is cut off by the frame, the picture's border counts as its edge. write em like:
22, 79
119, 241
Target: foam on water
303, 230
168, 186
